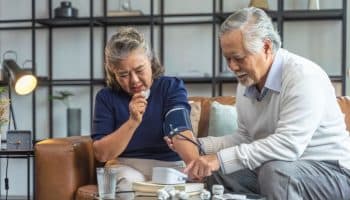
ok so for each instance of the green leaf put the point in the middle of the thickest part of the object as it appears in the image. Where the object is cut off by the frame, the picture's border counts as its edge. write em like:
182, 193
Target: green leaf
2, 90
62, 96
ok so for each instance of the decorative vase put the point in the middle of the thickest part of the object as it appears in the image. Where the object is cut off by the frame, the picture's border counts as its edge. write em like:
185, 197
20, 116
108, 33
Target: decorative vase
73, 121
125, 5
314, 4
66, 10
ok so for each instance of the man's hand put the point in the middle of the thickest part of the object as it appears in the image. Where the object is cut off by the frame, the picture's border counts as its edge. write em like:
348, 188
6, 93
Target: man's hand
202, 167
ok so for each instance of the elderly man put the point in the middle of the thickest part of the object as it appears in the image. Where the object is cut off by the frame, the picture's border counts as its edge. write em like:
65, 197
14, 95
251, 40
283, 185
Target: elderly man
291, 141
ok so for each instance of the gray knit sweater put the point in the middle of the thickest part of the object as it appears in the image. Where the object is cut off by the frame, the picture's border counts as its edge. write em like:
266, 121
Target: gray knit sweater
302, 121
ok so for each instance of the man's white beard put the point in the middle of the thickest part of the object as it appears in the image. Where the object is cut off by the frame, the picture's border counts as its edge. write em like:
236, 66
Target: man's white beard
246, 81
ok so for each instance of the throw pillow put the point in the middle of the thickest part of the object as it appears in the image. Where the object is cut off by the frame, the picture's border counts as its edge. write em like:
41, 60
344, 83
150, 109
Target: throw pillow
195, 116
222, 119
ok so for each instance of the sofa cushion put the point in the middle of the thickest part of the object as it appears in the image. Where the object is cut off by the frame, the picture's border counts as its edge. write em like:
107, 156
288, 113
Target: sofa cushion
222, 119
195, 116
205, 110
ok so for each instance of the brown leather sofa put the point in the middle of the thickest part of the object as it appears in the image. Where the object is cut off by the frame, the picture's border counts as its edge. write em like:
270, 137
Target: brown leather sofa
65, 167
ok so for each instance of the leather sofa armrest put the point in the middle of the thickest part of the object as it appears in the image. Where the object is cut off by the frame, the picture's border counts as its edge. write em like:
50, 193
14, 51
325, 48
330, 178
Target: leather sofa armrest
62, 165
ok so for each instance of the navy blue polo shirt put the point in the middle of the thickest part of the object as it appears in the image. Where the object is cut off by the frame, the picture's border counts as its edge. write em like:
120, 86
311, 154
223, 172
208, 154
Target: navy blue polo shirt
112, 110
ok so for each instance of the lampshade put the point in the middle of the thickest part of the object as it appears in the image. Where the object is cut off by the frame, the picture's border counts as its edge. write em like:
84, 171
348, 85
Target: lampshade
23, 81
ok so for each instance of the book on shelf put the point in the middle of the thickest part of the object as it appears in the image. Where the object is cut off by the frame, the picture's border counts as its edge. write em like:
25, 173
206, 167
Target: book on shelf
121, 13
150, 189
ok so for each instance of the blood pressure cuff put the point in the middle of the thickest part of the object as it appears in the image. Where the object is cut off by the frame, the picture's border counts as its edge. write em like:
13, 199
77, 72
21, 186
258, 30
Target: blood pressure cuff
176, 120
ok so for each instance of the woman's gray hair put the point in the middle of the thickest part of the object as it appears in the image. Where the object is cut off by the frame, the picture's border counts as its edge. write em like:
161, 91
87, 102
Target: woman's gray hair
121, 44
255, 25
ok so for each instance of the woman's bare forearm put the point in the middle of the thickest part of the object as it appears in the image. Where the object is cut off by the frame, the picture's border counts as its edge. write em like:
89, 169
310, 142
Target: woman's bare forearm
112, 145
186, 149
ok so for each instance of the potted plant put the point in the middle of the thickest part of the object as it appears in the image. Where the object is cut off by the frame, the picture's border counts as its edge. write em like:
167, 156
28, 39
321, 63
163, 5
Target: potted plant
4, 104
73, 114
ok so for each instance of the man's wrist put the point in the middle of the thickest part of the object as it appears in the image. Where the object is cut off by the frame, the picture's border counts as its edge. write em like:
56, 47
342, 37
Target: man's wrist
220, 162
200, 147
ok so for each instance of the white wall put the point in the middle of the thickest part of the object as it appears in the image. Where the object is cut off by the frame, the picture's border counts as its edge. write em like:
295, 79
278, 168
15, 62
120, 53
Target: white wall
188, 49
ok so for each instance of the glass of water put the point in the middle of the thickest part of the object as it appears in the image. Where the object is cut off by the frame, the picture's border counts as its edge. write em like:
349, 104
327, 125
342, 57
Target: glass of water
106, 181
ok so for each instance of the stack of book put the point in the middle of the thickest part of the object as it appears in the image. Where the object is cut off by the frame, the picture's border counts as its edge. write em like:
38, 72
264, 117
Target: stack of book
149, 189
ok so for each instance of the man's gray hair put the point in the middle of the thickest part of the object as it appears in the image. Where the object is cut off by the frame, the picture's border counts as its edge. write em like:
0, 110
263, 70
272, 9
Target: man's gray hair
255, 25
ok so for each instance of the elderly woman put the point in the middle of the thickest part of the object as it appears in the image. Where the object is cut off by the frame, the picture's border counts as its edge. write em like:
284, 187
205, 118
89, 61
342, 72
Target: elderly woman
138, 108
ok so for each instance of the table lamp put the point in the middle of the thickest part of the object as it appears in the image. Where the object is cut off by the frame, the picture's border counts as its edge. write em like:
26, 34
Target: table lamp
23, 81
